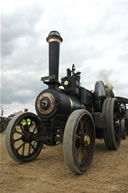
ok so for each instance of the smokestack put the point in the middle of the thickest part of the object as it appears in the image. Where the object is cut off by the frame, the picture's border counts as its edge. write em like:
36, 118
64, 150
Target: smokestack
54, 39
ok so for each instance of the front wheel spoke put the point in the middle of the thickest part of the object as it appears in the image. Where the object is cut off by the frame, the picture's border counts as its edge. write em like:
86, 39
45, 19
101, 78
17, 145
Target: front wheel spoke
20, 146
15, 140
23, 149
18, 132
21, 127
29, 149
32, 146
34, 129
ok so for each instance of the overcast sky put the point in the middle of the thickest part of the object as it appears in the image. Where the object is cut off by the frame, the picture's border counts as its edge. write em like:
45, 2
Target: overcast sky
95, 34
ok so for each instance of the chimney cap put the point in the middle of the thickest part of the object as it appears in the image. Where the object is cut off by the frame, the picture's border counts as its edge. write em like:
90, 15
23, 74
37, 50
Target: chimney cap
54, 35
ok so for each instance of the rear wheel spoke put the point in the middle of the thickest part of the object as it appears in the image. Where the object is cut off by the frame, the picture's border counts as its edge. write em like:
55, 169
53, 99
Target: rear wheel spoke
116, 135
81, 127
86, 131
84, 155
77, 136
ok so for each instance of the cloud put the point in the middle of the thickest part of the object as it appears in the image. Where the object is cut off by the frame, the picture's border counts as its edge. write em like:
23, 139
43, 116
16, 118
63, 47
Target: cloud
21, 55
17, 87
95, 37
21, 23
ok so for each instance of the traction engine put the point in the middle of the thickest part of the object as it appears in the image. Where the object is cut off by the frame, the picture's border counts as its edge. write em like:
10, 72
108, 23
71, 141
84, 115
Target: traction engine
70, 114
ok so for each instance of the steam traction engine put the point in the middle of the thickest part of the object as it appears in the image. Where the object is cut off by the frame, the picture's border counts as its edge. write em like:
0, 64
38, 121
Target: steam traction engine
68, 113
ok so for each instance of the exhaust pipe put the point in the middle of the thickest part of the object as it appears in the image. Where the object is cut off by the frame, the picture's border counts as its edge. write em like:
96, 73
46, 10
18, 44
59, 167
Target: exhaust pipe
54, 39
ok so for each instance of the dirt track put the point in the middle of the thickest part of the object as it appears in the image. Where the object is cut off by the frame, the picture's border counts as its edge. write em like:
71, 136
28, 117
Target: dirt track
49, 174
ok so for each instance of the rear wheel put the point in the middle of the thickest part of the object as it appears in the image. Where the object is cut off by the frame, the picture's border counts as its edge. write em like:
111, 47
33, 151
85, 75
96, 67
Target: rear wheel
79, 141
126, 125
112, 130
99, 95
20, 138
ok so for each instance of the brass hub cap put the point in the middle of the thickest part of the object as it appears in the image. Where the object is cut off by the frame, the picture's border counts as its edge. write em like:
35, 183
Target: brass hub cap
117, 123
86, 140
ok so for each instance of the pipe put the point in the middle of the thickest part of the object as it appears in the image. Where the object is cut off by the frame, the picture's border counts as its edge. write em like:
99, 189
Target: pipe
54, 39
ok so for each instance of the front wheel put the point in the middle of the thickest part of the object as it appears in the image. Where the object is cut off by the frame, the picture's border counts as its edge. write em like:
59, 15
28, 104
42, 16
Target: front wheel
20, 138
79, 141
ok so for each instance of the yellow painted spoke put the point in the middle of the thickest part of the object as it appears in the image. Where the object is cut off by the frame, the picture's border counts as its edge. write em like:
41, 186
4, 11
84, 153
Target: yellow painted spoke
20, 146
23, 149
15, 140
18, 132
